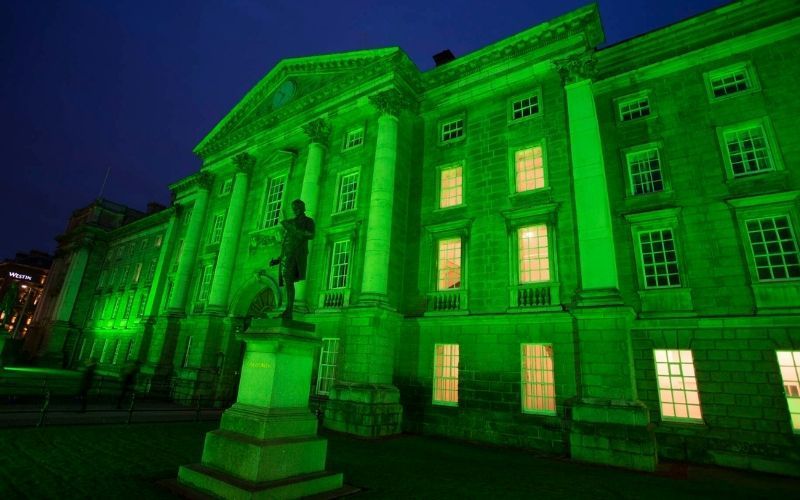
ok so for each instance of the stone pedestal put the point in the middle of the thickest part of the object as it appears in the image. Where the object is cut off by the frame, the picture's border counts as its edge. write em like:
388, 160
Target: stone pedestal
366, 410
267, 444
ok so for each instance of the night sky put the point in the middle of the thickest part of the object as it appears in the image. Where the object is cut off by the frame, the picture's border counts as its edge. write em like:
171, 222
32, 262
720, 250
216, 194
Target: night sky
135, 85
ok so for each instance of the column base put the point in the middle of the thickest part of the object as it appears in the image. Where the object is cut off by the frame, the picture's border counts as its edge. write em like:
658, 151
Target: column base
206, 479
366, 410
613, 433
598, 297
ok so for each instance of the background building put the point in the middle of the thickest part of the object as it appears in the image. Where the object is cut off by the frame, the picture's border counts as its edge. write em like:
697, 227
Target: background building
540, 244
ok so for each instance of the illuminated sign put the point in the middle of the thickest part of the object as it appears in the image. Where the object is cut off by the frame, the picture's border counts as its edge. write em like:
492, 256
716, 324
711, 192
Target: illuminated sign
20, 276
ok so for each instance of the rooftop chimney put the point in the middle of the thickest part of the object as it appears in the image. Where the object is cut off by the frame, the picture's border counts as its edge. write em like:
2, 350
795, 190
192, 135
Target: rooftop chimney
443, 57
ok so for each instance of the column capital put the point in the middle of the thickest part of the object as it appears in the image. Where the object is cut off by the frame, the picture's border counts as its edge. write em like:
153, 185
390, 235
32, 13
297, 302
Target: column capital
244, 162
318, 130
204, 180
390, 102
576, 67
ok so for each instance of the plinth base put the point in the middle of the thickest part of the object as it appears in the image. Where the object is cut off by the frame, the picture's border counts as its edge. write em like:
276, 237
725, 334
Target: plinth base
366, 410
220, 484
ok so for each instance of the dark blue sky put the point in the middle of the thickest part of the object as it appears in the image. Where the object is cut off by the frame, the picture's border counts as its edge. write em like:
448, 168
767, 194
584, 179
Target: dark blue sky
135, 85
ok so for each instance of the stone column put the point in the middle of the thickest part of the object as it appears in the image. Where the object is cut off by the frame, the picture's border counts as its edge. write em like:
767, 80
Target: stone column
609, 424
363, 400
223, 272
177, 304
597, 256
159, 276
318, 132
375, 282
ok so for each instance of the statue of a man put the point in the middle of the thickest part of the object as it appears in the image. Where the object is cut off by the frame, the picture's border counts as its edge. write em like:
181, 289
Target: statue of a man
294, 252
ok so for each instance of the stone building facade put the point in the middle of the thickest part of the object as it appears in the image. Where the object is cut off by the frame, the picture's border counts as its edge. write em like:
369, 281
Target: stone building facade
591, 252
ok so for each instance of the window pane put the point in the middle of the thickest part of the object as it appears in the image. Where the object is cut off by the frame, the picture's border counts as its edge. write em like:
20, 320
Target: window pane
678, 393
450, 193
449, 264
534, 259
529, 167
445, 374
779, 259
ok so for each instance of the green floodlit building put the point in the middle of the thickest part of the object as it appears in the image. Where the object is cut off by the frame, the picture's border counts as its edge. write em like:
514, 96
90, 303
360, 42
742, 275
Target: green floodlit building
542, 244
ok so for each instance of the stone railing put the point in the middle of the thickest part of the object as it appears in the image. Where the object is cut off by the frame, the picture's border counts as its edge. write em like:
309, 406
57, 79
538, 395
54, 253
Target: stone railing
535, 296
334, 299
447, 301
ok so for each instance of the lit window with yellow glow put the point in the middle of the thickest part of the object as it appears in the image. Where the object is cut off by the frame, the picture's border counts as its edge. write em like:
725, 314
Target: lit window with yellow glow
789, 362
445, 374
449, 264
538, 386
534, 254
677, 385
529, 168
450, 192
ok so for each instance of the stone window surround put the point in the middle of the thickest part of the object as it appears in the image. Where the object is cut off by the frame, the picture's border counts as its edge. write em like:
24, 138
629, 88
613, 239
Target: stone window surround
769, 296
353, 131
750, 77
446, 389
667, 301
337, 198
627, 98
262, 223
625, 152
512, 169
772, 147
349, 231
533, 92
526, 409
438, 184
451, 119
434, 233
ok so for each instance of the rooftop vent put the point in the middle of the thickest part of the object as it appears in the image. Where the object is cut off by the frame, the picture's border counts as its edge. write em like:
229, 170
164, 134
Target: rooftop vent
443, 57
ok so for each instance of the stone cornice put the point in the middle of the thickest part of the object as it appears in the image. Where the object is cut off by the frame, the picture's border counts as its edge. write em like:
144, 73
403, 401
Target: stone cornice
583, 22
199, 180
148, 222
318, 130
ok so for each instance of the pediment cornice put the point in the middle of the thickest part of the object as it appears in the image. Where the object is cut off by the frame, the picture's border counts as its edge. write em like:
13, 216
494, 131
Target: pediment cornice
347, 70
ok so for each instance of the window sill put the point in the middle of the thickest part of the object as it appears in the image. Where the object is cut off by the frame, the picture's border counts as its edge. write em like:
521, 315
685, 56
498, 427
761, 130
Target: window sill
526, 119
749, 185
334, 300
534, 297
641, 119
447, 302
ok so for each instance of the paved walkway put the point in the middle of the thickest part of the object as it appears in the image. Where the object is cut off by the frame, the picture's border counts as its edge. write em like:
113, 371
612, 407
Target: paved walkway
120, 462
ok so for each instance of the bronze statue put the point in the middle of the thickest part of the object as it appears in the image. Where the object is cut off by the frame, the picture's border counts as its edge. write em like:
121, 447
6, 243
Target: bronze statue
294, 252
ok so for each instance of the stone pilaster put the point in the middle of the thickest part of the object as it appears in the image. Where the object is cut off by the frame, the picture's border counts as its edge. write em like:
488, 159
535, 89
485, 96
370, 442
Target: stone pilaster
180, 287
597, 256
609, 424
223, 272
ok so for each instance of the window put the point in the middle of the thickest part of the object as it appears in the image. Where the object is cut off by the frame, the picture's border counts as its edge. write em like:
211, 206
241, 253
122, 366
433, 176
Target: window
205, 283
451, 130
644, 170
115, 357
731, 80
125, 272
445, 374
538, 386
348, 190
449, 264
326, 374
137, 272
216, 229
534, 258
128, 306
525, 107
187, 352
151, 270
747, 150
450, 187
789, 363
114, 313
142, 303
635, 107
274, 201
677, 385
340, 264
659, 259
774, 245
529, 169
353, 139
159, 239
226, 187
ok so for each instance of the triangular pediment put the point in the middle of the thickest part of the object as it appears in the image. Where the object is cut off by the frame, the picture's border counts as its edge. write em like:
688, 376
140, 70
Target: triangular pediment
288, 82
